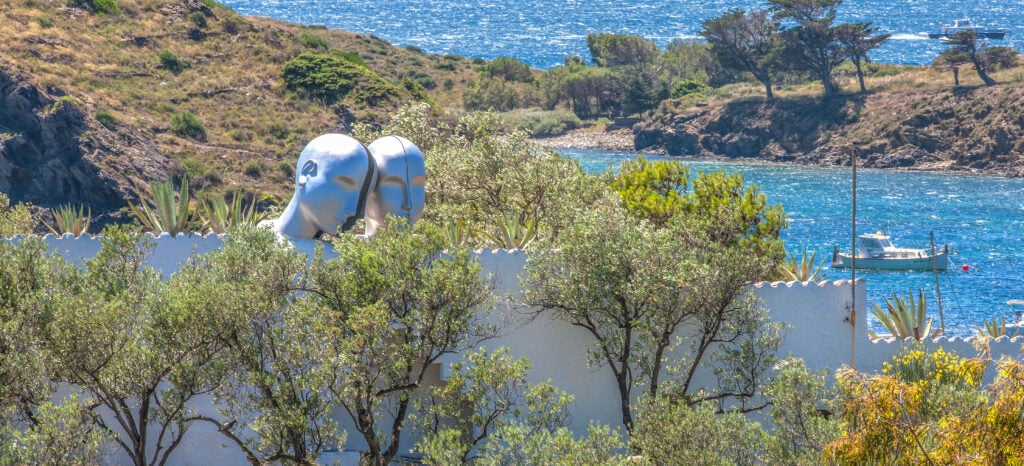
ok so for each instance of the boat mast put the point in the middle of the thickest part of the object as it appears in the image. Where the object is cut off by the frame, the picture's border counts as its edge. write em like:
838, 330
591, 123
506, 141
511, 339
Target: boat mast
938, 292
853, 264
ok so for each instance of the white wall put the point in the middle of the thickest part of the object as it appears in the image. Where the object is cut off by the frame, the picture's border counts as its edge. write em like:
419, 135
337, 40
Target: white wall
816, 315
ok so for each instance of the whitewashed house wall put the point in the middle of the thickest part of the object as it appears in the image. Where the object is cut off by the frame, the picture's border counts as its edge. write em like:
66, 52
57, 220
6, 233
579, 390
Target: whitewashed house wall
816, 315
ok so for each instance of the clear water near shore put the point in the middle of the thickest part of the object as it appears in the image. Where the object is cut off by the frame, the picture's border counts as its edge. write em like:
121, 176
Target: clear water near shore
981, 218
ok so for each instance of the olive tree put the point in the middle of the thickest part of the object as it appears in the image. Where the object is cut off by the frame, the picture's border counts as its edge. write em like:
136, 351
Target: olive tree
392, 307
660, 303
484, 405
34, 429
495, 184
274, 404
137, 354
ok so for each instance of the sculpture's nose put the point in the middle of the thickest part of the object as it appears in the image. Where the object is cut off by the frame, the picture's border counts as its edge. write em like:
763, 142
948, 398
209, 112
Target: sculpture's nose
406, 202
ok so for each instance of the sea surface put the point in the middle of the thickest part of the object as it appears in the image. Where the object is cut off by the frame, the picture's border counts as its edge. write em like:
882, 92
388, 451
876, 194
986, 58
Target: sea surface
981, 218
542, 32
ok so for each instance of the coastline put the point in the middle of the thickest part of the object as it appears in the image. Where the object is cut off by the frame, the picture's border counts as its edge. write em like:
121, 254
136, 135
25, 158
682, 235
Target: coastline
623, 140
619, 139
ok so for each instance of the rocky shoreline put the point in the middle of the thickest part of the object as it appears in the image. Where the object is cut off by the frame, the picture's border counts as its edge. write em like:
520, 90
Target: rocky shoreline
624, 140
619, 139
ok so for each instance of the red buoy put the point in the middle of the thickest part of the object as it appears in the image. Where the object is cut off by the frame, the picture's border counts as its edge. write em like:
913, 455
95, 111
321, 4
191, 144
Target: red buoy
966, 268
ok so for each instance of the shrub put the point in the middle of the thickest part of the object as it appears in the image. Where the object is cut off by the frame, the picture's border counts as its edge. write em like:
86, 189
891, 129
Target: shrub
413, 49
44, 23
350, 57
106, 119
232, 25
331, 79
240, 135
186, 125
286, 169
61, 103
313, 41
509, 69
420, 77
447, 66
416, 89
321, 76
541, 122
253, 169
197, 18
448, 84
170, 62
689, 87
104, 6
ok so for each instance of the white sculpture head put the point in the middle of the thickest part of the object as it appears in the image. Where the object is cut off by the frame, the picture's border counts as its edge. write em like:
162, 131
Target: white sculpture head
332, 177
400, 188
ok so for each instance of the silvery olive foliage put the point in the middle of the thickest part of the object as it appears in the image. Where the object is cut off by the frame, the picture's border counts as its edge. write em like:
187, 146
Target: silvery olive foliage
661, 302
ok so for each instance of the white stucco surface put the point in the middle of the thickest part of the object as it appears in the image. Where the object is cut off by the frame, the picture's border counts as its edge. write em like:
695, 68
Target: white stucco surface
817, 318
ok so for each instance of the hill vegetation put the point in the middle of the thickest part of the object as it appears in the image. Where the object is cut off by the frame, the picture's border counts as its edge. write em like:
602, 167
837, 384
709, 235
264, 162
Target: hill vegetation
103, 98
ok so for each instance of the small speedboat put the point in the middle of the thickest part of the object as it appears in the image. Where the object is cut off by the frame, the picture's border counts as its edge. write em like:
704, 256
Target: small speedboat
950, 30
876, 251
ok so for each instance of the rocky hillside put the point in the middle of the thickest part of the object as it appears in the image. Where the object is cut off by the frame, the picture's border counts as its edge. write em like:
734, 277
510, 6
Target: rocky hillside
926, 127
91, 92
52, 151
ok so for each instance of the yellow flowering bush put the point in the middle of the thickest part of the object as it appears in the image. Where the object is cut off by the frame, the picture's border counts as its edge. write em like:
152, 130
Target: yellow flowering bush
924, 408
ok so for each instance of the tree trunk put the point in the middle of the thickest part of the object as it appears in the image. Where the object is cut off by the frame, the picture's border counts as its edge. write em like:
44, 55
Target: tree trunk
956, 76
982, 74
860, 76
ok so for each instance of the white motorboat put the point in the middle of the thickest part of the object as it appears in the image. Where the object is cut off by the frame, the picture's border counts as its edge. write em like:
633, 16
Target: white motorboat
876, 251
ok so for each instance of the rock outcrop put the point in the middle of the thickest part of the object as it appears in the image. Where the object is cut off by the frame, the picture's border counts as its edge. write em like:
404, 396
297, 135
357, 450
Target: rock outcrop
53, 151
975, 130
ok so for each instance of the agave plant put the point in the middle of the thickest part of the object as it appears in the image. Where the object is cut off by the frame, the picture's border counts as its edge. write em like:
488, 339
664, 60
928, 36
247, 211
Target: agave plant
802, 270
905, 318
67, 219
166, 210
220, 216
512, 233
458, 233
993, 329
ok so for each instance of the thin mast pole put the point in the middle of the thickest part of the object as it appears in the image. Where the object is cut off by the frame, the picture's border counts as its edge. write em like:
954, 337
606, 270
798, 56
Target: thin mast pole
938, 292
853, 264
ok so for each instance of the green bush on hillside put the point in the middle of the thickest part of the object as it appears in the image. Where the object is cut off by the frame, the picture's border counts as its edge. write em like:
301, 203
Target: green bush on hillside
509, 69
197, 18
331, 79
103, 6
420, 77
170, 62
540, 122
689, 87
313, 41
106, 119
186, 125
350, 57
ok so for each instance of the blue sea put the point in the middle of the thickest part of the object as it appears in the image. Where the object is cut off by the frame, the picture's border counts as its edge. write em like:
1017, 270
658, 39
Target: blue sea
981, 218
542, 32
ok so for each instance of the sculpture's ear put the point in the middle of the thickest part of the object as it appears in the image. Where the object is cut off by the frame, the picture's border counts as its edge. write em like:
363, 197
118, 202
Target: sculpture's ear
308, 170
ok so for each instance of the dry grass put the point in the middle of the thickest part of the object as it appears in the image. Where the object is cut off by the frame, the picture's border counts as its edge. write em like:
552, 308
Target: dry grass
232, 80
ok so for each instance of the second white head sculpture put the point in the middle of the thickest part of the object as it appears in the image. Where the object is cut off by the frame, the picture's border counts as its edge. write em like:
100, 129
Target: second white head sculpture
338, 180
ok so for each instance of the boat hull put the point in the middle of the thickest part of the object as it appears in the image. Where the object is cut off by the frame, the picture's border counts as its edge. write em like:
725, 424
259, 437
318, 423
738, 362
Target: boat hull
983, 35
924, 262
